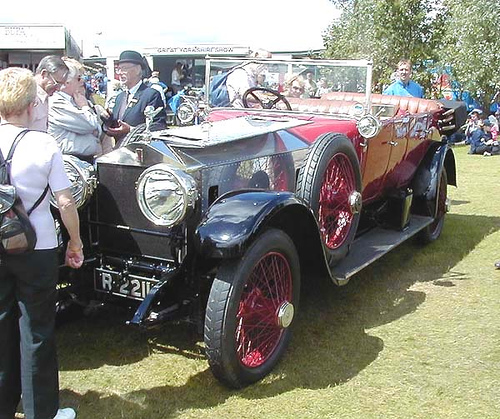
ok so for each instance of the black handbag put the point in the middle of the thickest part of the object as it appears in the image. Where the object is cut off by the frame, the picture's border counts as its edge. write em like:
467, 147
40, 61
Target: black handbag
17, 234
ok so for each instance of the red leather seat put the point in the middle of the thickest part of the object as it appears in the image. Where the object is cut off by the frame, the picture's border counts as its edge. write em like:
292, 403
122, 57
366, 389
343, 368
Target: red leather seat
402, 104
343, 107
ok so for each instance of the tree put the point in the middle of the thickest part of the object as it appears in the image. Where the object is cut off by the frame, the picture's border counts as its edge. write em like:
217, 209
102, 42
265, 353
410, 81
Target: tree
460, 36
472, 47
386, 31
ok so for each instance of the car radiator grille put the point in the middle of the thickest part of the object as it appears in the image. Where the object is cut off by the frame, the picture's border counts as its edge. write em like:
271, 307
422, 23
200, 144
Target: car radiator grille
120, 225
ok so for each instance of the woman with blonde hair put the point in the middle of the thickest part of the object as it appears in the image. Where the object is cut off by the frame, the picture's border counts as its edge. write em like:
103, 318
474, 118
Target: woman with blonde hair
28, 360
295, 87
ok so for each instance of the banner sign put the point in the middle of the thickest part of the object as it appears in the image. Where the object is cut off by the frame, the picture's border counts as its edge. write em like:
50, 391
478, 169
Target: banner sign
32, 37
202, 49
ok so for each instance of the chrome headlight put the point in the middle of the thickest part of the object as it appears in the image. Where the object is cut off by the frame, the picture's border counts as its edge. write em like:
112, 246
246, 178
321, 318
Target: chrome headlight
82, 176
369, 126
165, 194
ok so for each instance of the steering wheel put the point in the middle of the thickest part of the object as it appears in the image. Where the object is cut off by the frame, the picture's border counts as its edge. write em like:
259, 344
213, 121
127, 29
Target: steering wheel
267, 101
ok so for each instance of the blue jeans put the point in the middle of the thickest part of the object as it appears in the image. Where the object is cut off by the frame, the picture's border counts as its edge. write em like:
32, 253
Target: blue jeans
28, 359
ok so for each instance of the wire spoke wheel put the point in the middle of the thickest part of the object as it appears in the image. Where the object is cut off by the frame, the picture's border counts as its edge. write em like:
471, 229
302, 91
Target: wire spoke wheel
330, 182
335, 213
259, 331
251, 306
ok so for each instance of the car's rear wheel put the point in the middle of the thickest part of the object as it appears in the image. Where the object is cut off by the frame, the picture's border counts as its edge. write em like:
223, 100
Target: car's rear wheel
250, 308
330, 182
433, 230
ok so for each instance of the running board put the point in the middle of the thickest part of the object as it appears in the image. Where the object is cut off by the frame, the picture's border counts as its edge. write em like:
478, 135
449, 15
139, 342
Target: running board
372, 245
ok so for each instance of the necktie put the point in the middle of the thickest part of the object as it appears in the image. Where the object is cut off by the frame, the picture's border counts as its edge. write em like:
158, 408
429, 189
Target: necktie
123, 105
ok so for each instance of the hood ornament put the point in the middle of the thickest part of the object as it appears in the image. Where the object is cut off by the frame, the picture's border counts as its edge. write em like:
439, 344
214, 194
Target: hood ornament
150, 112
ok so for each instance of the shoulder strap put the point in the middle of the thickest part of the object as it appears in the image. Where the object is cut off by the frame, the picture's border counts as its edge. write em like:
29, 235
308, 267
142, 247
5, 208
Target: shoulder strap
16, 141
8, 161
38, 201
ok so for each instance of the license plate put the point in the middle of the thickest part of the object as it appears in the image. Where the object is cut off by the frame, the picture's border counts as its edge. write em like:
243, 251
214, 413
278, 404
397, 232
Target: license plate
129, 286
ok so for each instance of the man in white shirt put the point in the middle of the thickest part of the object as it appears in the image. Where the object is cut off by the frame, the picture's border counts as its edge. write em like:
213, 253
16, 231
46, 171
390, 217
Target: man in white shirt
50, 76
243, 78
177, 76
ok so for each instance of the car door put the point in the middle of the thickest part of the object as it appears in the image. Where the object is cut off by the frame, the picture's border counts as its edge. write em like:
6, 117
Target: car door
408, 145
403, 127
375, 161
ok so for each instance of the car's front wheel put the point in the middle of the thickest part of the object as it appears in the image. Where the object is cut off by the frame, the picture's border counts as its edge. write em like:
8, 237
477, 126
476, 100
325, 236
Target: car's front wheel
252, 303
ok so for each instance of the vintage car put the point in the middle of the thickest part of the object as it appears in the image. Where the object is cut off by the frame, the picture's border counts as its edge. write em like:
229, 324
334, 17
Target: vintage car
221, 222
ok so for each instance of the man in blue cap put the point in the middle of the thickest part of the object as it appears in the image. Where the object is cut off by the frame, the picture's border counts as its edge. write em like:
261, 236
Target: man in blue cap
130, 104
403, 86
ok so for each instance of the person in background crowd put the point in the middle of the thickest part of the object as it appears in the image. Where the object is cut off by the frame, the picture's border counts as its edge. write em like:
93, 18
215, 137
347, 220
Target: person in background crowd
50, 76
102, 83
310, 86
113, 92
480, 142
156, 74
261, 80
243, 78
472, 124
131, 103
494, 127
72, 122
155, 83
295, 87
403, 86
323, 87
177, 76
28, 358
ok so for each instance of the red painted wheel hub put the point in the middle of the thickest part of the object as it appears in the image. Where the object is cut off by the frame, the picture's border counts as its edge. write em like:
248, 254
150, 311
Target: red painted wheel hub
259, 326
335, 212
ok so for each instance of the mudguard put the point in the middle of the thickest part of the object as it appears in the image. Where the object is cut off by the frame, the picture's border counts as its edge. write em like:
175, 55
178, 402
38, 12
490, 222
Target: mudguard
232, 222
426, 180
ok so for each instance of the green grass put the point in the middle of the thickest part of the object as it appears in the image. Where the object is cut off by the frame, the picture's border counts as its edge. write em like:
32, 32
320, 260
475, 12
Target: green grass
415, 335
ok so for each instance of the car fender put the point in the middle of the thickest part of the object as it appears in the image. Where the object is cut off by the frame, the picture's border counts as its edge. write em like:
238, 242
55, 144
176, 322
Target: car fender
233, 221
425, 183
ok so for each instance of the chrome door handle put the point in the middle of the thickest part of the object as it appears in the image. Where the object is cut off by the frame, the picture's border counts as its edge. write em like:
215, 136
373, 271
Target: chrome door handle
393, 143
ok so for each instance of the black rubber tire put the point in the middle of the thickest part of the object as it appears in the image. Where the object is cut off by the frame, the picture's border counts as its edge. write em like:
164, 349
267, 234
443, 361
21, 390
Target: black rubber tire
310, 181
229, 289
433, 231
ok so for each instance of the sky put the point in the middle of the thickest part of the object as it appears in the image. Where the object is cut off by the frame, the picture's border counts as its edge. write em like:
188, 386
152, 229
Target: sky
276, 25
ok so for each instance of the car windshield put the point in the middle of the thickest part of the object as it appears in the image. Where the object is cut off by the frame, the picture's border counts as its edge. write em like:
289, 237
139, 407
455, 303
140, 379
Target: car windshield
296, 80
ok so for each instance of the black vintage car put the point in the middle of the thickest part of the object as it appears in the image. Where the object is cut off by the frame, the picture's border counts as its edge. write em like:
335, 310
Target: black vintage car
217, 221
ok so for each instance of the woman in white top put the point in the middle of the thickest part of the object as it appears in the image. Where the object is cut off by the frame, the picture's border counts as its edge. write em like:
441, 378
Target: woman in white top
28, 360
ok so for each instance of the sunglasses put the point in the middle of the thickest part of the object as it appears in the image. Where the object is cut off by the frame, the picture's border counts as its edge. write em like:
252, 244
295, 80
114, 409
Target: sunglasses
56, 83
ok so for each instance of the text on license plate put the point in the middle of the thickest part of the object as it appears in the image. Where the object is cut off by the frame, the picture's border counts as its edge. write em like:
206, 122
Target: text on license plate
130, 286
